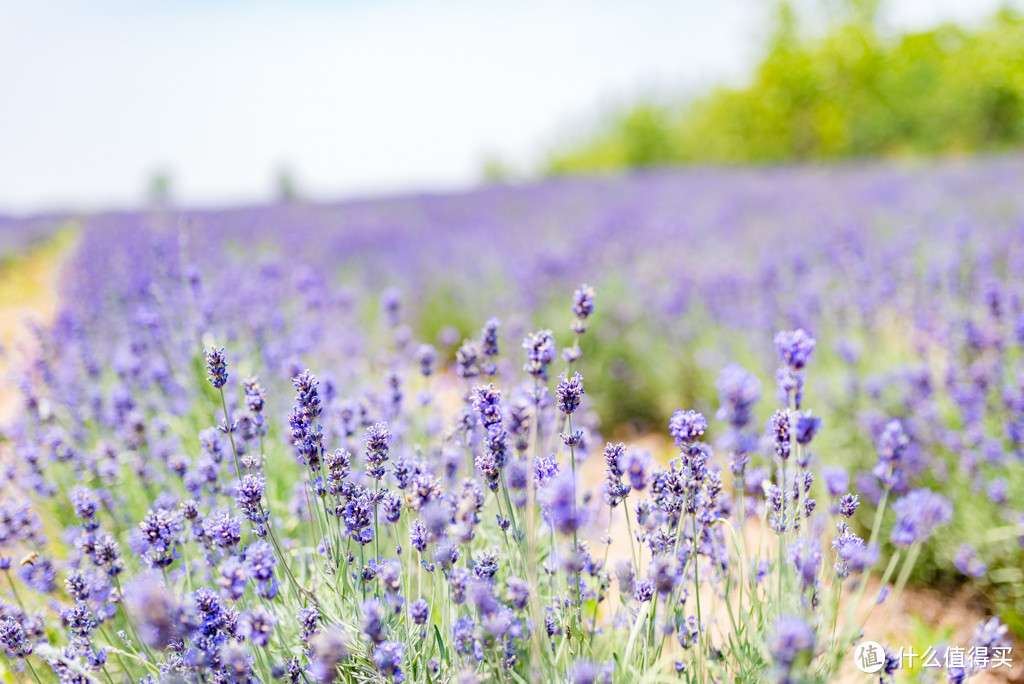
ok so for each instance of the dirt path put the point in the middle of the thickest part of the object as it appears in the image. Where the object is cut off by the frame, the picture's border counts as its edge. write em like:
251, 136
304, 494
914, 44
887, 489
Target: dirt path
28, 293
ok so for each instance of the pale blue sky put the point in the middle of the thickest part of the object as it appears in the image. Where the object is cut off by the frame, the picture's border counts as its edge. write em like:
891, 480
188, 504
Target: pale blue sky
354, 97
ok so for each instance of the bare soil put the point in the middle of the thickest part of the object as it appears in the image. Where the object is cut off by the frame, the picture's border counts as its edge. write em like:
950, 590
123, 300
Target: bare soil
28, 292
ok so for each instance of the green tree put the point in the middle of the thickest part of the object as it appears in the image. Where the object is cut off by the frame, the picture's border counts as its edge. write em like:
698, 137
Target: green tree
848, 92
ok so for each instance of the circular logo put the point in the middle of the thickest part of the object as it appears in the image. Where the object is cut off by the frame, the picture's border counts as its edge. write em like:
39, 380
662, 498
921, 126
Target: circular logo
869, 656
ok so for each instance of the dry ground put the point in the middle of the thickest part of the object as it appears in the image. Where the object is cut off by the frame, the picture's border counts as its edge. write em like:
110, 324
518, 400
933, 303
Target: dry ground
28, 292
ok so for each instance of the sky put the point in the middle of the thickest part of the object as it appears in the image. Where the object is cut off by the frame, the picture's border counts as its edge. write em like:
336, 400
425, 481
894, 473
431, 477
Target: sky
352, 97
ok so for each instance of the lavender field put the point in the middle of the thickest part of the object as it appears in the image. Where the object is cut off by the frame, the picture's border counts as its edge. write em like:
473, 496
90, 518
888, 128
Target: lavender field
677, 425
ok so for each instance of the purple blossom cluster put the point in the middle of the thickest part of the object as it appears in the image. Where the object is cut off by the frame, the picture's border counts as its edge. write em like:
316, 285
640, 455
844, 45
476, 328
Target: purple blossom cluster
233, 464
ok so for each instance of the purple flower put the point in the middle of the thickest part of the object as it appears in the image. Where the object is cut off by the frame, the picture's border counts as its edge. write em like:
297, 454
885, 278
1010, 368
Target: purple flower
614, 489
217, 367
848, 504
806, 427
893, 661
569, 393
308, 401
339, 468
918, 514
805, 554
780, 430
545, 468
573, 354
996, 490
307, 435
391, 305
249, 498
791, 385
223, 529
458, 582
258, 625
572, 439
387, 658
391, 504
791, 639
463, 635
85, 508
106, 554
326, 651
419, 611
540, 351
418, 535
160, 531
467, 360
794, 348
487, 404
309, 619
358, 517
77, 586
390, 576
372, 615
14, 639
78, 619
157, 613
491, 461
517, 592
663, 571
236, 659
861, 558
687, 426
583, 301
255, 395
559, 500
489, 345
587, 672
989, 635
967, 561
636, 468
447, 554
426, 355
377, 439
643, 591
837, 480
261, 561
233, 578
486, 564
892, 444
738, 391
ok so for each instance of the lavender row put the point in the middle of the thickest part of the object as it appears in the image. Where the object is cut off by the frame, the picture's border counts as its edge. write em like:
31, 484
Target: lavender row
241, 459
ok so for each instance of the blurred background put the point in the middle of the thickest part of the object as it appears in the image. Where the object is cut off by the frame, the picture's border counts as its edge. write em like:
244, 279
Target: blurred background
114, 104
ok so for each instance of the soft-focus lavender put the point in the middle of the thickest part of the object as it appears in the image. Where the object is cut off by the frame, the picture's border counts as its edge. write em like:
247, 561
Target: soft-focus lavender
318, 524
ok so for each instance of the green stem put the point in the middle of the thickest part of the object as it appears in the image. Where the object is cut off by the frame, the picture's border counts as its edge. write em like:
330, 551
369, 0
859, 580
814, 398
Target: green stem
575, 536
231, 433
33, 671
629, 529
127, 619
512, 517
696, 594
604, 565
901, 581
376, 532
362, 563
14, 590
